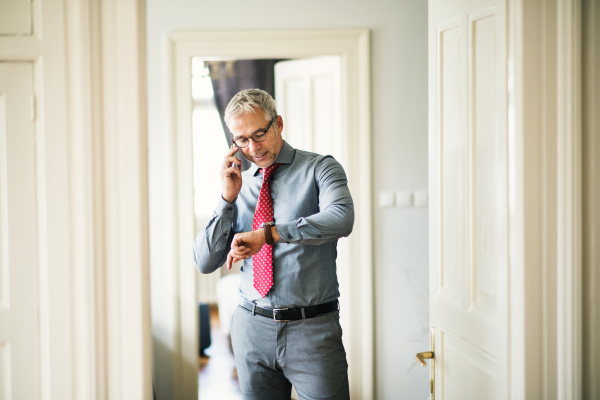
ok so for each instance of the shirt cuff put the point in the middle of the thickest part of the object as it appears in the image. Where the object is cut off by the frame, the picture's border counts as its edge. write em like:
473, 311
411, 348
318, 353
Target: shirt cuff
288, 231
225, 209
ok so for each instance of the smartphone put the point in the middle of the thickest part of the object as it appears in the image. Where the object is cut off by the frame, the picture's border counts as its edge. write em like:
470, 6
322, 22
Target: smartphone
236, 156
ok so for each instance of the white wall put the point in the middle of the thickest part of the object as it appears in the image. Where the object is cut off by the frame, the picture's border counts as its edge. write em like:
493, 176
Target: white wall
399, 84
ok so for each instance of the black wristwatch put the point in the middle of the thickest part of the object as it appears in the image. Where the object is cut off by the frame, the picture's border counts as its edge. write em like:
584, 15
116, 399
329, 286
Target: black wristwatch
267, 226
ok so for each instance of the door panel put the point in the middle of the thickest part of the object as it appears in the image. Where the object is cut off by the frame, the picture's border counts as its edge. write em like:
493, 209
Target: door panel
461, 359
15, 17
19, 337
469, 197
487, 163
308, 94
454, 167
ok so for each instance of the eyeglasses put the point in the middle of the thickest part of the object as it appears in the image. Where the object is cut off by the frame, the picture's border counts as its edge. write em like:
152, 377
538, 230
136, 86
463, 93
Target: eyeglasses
256, 137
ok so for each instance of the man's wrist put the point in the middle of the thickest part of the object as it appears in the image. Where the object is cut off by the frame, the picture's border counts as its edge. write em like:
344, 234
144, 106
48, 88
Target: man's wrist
276, 235
273, 233
263, 237
230, 201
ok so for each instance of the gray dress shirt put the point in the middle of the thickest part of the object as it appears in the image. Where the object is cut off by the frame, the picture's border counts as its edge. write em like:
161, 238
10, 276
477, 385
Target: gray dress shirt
312, 209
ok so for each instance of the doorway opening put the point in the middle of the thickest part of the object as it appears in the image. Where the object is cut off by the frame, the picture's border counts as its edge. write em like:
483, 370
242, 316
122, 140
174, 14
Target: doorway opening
351, 46
308, 96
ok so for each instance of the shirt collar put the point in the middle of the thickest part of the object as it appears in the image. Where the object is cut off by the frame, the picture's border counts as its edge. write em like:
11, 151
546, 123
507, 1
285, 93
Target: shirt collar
286, 156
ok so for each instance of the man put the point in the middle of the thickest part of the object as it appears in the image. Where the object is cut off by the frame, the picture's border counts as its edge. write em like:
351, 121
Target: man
282, 217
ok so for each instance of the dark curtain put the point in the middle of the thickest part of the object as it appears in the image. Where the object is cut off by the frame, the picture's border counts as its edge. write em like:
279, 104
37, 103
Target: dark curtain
229, 77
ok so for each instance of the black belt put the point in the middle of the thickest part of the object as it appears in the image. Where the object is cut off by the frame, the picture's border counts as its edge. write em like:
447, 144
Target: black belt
290, 314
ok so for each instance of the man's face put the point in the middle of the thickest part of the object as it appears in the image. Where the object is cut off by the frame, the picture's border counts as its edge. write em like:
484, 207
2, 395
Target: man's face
262, 153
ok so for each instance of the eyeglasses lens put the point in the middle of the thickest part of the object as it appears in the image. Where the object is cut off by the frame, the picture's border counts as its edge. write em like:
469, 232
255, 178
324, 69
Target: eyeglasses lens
257, 137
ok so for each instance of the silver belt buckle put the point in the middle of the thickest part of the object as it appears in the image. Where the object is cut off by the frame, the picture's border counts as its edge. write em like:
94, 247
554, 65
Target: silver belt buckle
275, 318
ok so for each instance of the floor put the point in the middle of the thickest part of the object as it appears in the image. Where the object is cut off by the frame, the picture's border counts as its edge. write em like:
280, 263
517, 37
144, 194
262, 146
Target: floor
218, 378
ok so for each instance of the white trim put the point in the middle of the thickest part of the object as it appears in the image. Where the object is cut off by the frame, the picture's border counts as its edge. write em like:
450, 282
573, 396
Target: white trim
353, 46
89, 82
591, 199
80, 105
125, 312
545, 199
569, 200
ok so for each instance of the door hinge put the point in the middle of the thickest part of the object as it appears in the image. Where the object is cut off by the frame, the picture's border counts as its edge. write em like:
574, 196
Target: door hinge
33, 107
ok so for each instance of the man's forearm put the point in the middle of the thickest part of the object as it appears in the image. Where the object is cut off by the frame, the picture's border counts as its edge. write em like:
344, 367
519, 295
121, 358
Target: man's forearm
212, 244
323, 227
336, 218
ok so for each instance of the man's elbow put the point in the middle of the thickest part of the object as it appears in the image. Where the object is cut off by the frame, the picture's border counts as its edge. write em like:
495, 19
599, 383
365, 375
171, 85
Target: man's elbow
203, 264
202, 268
205, 268
349, 225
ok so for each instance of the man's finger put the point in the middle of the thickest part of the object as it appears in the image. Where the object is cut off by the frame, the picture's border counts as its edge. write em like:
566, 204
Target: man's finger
229, 260
240, 249
232, 171
229, 160
237, 254
232, 150
237, 241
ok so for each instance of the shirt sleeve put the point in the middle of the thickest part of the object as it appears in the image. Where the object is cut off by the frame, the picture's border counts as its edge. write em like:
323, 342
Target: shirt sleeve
335, 218
212, 244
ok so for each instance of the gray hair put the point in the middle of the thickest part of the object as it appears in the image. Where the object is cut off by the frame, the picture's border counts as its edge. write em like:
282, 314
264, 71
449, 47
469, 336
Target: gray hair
247, 101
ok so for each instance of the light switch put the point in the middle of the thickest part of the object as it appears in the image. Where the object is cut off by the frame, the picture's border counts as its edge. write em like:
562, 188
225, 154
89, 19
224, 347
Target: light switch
403, 199
422, 199
386, 199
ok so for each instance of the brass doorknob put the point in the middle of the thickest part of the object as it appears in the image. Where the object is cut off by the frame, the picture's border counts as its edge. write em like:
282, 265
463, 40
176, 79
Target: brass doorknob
422, 356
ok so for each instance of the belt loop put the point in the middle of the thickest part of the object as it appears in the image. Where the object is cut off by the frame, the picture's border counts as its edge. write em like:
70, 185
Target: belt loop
338, 304
253, 309
303, 316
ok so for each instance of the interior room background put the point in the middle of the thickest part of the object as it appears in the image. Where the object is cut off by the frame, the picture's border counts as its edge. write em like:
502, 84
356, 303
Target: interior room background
399, 142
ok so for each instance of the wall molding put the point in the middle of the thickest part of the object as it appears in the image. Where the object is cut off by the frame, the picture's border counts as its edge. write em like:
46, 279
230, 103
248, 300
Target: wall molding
591, 199
108, 165
569, 256
86, 284
546, 198
91, 193
353, 46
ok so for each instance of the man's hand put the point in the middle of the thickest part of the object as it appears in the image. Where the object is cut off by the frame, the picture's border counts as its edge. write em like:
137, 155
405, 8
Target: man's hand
244, 245
231, 177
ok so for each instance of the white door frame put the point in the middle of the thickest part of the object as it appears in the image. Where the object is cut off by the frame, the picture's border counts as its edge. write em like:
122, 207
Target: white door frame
545, 199
353, 47
591, 198
89, 108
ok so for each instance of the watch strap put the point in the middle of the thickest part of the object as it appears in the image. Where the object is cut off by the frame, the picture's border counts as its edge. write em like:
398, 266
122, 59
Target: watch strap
269, 233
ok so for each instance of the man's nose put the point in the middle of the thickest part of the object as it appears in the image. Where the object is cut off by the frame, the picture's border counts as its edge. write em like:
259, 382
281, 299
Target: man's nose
253, 146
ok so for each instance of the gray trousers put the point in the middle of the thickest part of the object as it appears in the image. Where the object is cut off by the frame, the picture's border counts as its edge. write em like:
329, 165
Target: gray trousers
270, 356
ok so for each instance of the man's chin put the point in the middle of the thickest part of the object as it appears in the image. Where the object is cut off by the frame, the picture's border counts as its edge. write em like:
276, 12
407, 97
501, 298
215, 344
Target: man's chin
263, 163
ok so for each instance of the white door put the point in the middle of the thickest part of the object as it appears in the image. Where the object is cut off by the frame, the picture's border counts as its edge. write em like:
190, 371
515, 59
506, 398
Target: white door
15, 17
469, 198
19, 338
309, 98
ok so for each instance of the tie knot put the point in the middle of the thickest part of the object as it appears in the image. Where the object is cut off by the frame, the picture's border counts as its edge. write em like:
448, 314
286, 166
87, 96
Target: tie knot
269, 171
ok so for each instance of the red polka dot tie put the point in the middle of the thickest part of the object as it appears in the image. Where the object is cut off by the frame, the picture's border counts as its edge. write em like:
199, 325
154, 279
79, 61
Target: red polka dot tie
262, 262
